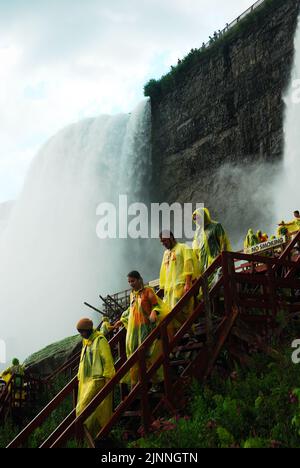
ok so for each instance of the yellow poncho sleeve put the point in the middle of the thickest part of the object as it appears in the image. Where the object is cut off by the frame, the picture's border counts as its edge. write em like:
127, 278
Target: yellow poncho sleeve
125, 317
107, 359
188, 262
162, 275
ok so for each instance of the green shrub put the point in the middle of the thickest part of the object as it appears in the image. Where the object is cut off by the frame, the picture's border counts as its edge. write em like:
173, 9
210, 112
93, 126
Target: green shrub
254, 408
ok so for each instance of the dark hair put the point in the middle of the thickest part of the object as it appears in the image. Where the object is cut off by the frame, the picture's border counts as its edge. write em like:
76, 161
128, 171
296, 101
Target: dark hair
296, 211
166, 234
134, 274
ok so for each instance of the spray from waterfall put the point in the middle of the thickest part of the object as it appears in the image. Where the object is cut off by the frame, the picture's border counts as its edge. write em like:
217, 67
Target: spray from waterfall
51, 258
287, 185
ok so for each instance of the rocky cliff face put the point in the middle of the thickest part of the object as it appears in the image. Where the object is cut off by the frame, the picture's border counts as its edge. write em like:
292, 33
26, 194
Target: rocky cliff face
218, 135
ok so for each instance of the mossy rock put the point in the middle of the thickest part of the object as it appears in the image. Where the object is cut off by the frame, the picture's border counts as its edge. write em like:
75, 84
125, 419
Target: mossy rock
46, 361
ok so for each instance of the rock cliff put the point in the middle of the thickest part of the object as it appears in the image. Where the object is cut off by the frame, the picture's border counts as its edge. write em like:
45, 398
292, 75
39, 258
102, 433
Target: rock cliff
217, 132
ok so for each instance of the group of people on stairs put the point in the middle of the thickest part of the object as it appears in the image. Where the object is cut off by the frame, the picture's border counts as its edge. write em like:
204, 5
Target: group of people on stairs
284, 230
181, 266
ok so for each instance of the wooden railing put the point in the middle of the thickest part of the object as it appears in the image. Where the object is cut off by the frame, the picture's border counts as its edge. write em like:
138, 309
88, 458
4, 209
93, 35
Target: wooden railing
70, 388
237, 302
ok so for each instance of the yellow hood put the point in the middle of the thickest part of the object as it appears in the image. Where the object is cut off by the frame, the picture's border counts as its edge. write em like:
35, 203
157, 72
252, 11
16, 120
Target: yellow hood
202, 214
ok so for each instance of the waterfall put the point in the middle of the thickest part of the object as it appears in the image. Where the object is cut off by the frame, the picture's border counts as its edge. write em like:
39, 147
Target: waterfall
287, 185
51, 258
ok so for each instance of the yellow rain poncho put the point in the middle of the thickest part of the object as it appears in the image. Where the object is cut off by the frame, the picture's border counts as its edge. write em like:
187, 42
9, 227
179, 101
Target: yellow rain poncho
259, 236
177, 264
210, 239
18, 371
106, 327
96, 368
144, 304
282, 229
251, 239
293, 226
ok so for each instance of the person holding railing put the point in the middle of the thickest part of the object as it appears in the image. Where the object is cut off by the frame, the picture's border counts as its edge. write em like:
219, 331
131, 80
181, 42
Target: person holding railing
177, 273
106, 328
96, 368
145, 312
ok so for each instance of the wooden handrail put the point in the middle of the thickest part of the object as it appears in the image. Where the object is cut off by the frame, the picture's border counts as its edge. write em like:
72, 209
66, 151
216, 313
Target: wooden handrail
228, 280
135, 358
52, 405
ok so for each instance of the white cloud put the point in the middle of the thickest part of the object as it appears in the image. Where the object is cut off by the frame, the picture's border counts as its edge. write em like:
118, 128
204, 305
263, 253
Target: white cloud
64, 60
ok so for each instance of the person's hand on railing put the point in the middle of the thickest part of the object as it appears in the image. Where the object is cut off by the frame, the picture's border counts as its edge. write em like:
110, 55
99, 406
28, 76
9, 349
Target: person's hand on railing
188, 284
117, 325
153, 316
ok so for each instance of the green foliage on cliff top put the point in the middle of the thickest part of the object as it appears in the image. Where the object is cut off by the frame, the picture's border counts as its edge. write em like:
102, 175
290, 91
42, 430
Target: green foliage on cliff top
156, 89
256, 408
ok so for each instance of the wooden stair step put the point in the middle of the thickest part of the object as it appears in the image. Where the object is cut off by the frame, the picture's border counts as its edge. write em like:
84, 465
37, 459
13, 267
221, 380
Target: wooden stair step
132, 414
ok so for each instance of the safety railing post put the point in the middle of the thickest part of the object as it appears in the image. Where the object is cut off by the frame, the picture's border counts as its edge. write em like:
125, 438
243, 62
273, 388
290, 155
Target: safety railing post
208, 312
272, 289
75, 396
226, 281
79, 433
123, 358
166, 363
233, 282
146, 414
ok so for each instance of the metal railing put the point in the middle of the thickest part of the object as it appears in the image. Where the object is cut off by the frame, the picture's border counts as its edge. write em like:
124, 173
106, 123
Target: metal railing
218, 34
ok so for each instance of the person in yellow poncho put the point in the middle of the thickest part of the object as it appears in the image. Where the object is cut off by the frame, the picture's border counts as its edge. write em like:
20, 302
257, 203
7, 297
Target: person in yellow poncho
251, 239
96, 368
282, 230
294, 225
18, 371
210, 239
177, 274
106, 328
145, 312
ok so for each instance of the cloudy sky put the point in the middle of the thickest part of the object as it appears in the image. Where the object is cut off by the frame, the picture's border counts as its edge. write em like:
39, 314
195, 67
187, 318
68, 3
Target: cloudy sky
65, 60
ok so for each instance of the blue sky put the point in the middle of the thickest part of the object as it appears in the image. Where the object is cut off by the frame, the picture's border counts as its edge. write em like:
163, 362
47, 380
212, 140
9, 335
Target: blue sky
65, 60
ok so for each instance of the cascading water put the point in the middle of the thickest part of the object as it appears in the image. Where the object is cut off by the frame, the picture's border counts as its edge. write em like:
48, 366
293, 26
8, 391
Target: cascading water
51, 258
287, 185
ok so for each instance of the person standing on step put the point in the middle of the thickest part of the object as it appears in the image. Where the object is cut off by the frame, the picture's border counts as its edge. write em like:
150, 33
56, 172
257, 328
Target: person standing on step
177, 274
145, 312
96, 368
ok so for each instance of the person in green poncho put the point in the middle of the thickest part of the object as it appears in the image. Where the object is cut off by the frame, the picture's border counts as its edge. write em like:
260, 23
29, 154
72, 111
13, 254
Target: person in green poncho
210, 239
282, 230
251, 239
145, 312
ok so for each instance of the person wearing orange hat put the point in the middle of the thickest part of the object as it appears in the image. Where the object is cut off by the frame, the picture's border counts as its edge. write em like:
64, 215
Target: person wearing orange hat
96, 368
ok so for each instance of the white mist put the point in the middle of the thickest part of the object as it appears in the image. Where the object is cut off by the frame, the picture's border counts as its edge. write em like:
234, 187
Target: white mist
51, 259
287, 186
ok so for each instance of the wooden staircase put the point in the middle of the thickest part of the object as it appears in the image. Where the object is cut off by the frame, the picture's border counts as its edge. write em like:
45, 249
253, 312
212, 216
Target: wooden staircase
240, 310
